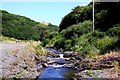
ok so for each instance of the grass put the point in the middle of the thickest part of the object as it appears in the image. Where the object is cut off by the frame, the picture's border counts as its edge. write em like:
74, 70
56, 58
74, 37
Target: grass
116, 64
88, 72
6, 39
35, 46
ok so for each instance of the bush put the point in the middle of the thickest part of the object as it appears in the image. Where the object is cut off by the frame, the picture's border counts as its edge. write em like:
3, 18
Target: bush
85, 44
98, 34
77, 15
77, 30
67, 38
56, 41
68, 44
105, 42
59, 43
94, 43
115, 31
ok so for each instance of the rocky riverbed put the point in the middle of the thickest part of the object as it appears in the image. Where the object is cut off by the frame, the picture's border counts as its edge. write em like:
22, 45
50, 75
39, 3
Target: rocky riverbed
19, 61
103, 66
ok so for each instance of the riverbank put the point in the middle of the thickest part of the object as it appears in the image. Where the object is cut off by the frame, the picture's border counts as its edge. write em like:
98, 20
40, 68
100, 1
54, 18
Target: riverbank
101, 66
18, 60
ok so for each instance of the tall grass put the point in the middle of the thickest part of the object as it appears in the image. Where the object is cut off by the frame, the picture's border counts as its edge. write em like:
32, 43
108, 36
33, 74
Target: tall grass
6, 39
35, 46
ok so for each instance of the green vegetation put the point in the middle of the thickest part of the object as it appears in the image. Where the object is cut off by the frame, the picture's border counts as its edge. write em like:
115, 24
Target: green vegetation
76, 33
6, 39
46, 32
75, 30
18, 27
80, 38
35, 46
78, 14
106, 15
21, 27
89, 72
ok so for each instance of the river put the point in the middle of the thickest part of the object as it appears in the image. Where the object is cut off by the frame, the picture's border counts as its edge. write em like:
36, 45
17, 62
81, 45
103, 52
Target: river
57, 69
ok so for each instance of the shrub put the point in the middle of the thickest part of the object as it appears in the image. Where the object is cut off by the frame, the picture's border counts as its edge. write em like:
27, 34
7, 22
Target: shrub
94, 43
68, 44
115, 31
77, 30
59, 43
98, 34
56, 41
77, 15
105, 42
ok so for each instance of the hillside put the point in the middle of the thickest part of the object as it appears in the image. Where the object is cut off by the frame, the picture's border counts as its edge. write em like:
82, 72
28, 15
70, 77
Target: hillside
18, 27
106, 15
78, 14
21, 27
76, 32
73, 50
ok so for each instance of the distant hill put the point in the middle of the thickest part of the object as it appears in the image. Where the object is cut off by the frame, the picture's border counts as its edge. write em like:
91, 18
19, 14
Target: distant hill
20, 27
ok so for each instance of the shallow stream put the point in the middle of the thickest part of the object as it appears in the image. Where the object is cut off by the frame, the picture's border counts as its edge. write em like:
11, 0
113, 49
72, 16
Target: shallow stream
57, 70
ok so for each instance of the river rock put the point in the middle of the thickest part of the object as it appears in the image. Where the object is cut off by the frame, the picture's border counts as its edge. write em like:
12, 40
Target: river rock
111, 73
78, 57
50, 62
61, 61
44, 65
67, 59
39, 67
67, 55
71, 65
70, 53
72, 58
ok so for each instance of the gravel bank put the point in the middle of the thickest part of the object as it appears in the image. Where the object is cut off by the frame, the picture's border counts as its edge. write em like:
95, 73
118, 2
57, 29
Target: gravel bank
17, 60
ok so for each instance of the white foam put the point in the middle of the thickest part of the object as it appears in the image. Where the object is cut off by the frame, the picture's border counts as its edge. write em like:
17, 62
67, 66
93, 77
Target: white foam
61, 55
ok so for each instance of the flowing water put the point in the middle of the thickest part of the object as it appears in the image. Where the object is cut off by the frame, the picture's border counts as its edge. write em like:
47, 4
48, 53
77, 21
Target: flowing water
57, 70
61, 55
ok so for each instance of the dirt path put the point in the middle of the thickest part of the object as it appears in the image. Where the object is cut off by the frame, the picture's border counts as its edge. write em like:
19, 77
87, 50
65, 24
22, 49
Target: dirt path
17, 61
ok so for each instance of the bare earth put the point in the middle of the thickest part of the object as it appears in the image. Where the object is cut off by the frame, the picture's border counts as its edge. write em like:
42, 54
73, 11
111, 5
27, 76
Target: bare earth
16, 60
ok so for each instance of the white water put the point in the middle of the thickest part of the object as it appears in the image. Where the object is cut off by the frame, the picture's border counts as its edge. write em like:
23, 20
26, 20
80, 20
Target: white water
61, 55
57, 70
57, 66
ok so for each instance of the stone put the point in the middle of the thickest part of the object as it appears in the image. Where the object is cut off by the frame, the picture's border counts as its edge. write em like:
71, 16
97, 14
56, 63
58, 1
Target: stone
44, 64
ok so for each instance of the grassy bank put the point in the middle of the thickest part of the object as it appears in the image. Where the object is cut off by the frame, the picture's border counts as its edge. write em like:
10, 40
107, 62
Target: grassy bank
35, 46
6, 39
